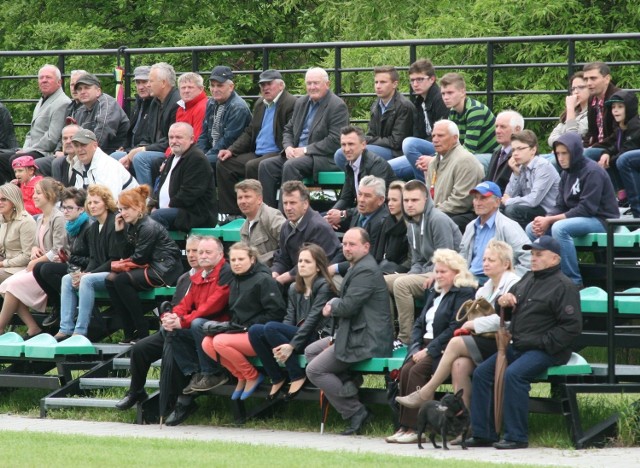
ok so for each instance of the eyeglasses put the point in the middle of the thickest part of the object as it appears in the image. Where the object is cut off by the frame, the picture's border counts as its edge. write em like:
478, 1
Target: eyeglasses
418, 80
68, 208
578, 88
521, 148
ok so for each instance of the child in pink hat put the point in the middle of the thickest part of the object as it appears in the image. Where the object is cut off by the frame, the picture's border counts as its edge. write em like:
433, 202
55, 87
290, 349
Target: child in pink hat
25, 169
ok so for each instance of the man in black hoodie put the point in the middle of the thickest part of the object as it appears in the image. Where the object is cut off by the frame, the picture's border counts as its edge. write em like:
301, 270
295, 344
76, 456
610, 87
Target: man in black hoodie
585, 199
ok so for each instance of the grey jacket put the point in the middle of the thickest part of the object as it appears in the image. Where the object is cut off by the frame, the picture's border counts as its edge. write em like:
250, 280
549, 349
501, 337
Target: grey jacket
507, 230
107, 120
46, 124
265, 233
363, 314
434, 231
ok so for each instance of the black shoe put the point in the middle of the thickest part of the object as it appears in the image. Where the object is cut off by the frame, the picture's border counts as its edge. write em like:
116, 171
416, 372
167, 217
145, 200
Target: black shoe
479, 442
51, 319
510, 445
180, 413
130, 399
357, 421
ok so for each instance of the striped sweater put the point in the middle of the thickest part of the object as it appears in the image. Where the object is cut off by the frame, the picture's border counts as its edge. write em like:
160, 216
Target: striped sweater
477, 127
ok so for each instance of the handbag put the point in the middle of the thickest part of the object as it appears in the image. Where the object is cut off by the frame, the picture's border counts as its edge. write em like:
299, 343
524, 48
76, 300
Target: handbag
476, 308
118, 266
213, 328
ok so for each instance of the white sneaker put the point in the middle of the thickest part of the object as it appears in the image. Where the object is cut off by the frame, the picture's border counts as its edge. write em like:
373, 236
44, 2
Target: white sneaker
407, 438
393, 439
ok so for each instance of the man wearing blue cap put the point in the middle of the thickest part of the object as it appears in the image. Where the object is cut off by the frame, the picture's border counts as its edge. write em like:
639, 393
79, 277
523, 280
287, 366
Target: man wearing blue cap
545, 319
492, 224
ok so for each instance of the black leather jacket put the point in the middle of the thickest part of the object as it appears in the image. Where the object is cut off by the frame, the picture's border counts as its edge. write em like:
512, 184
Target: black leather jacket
148, 242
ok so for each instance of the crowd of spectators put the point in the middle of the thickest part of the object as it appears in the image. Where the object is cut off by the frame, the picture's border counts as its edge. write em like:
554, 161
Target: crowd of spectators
440, 197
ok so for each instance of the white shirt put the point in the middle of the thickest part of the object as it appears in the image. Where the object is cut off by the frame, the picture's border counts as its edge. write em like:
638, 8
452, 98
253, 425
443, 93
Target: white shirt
164, 190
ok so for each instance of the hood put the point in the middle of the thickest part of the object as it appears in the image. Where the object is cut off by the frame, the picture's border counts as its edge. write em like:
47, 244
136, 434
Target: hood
255, 268
630, 101
573, 142
427, 207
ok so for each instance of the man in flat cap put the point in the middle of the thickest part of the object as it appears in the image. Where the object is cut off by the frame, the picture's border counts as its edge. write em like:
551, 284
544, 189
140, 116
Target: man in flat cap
262, 139
545, 319
226, 117
94, 166
101, 114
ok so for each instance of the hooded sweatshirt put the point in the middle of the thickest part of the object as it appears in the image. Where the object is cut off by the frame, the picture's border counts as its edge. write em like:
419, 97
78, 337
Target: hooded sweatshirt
627, 139
585, 189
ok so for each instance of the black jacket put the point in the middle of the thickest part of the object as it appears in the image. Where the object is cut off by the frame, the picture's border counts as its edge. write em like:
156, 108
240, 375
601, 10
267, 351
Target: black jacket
148, 242
435, 109
191, 190
591, 137
7, 132
255, 297
623, 140
101, 245
391, 128
499, 174
444, 322
140, 111
309, 320
548, 316
370, 164
392, 246
155, 135
79, 246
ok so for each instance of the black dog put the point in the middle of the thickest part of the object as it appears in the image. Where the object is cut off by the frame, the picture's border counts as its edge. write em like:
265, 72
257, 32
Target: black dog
448, 416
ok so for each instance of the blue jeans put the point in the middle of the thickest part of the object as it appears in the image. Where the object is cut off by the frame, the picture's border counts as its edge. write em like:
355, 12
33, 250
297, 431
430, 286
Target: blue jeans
165, 216
628, 165
264, 338
564, 231
142, 163
83, 299
412, 148
523, 368
593, 153
118, 155
341, 161
187, 349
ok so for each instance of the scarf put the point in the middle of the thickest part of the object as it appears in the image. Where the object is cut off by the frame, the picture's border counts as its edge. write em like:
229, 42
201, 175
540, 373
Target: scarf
73, 227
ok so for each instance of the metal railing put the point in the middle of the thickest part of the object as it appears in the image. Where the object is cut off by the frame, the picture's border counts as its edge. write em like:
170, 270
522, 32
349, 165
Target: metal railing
266, 56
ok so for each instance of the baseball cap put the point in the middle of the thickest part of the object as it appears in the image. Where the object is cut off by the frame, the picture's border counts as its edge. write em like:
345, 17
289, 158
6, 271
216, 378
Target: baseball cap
487, 188
84, 136
24, 161
88, 79
221, 74
544, 243
269, 75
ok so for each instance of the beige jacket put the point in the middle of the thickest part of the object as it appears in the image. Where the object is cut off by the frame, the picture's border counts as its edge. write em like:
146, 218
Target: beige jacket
16, 240
453, 176
265, 232
55, 234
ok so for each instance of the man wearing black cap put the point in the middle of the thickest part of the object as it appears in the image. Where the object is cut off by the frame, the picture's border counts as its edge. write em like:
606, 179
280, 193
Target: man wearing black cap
262, 139
101, 114
226, 117
545, 319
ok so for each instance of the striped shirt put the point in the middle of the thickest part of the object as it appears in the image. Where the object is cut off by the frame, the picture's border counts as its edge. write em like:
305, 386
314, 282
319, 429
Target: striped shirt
477, 127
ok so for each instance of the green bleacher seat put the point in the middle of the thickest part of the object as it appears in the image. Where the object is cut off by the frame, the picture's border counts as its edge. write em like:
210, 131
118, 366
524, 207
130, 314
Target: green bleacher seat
621, 238
231, 231
76, 344
593, 300
40, 346
326, 178
577, 365
213, 232
11, 345
628, 304
178, 235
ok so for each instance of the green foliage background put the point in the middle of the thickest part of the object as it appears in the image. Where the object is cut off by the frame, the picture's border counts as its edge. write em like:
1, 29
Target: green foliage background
61, 25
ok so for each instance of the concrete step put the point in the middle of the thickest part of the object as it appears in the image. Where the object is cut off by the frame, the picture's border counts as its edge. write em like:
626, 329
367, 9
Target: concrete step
110, 382
125, 363
79, 402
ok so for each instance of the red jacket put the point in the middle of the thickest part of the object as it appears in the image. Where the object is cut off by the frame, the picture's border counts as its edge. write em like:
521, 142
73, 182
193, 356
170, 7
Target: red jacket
27, 195
207, 298
192, 112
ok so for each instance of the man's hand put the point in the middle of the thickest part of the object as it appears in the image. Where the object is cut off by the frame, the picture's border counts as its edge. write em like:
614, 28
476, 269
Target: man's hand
507, 300
515, 167
292, 153
428, 281
423, 162
224, 154
284, 278
326, 310
333, 218
604, 161
541, 225
420, 355
128, 159
504, 199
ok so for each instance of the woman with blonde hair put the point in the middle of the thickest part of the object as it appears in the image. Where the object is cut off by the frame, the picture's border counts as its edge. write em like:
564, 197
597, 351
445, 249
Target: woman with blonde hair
152, 260
22, 291
454, 284
466, 351
17, 232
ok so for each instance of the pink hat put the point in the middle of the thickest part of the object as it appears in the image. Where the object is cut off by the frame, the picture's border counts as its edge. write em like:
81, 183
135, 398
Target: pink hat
24, 161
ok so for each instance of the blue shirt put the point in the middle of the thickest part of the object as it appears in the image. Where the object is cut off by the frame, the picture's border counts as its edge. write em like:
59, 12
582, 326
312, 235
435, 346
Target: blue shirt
311, 113
266, 141
483, 234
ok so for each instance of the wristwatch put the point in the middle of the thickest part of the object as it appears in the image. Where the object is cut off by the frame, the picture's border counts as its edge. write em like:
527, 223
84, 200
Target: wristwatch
304, 150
